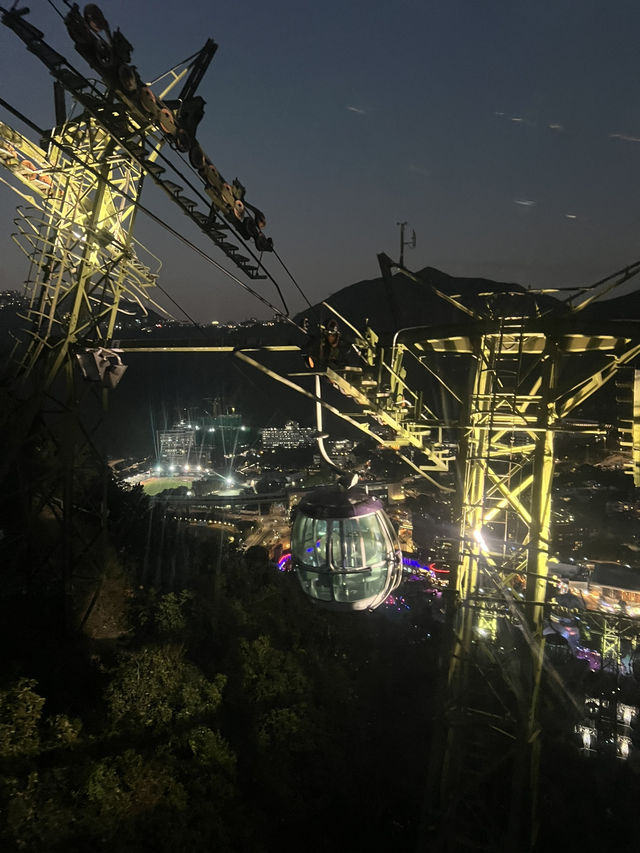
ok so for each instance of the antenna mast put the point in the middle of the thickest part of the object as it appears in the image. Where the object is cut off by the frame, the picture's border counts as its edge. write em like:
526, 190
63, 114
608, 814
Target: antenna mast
410, 243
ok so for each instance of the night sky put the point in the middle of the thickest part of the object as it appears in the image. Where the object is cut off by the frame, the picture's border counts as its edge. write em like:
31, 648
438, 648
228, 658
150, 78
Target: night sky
507, 134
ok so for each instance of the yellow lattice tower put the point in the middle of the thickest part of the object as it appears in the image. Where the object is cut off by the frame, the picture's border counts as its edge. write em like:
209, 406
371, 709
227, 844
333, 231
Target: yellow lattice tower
79, 243
76, 228
611, 645
524, 384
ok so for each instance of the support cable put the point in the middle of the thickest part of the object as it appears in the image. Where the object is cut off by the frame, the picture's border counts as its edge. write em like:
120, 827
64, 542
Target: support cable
616, 278
53, 6
155, 218
296, 285
98, 93
247, 247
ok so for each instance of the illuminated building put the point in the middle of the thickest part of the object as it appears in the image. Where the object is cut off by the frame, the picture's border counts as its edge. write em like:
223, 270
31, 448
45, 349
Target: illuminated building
177, 448
290, 436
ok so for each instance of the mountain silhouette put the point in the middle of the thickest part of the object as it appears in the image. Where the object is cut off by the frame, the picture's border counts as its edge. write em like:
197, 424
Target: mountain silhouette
158, 388
401, 302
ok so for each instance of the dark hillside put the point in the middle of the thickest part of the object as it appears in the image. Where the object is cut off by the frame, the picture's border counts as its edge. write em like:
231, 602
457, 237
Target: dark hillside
409, 303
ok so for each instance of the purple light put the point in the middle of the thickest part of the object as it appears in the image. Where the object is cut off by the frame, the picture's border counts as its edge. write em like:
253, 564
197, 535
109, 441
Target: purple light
430, 567
592, 658
282, 562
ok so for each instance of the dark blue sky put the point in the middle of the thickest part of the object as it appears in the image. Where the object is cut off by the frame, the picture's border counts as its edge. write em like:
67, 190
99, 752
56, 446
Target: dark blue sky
507, 133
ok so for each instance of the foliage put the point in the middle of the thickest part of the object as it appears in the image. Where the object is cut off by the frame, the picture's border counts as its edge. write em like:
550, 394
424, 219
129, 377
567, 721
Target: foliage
224, 720
128, 785
268, 673
165, 615
20, 714
62, 732
153, 688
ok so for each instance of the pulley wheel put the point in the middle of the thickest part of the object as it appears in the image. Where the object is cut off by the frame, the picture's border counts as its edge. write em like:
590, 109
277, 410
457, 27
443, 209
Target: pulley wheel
167, 121
196, 156
127, 77
183, 140
31, 169
147, 100
226, 194
104, 54
238, 210
95, 19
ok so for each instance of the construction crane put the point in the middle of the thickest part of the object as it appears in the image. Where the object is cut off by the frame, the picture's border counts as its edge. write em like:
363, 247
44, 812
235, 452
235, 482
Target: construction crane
509, 369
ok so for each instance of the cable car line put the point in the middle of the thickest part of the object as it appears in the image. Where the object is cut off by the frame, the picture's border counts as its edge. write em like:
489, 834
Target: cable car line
345, 551
297, 286
333, 378
78, 86
83, 32
132, 118
226, 225
155, 218
210, 224
53, 6
142, 115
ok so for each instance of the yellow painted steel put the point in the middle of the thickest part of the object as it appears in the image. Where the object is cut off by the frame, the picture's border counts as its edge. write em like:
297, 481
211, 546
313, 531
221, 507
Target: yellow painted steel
611, 645
632, 431
78, 237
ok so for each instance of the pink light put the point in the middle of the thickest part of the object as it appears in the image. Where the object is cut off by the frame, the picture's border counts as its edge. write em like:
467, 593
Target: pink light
283, 561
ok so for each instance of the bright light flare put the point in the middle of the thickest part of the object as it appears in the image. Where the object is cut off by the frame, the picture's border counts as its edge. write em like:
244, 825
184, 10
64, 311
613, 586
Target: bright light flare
477, 535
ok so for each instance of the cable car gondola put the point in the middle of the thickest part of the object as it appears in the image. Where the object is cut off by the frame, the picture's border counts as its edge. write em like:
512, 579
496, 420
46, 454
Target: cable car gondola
344, 549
